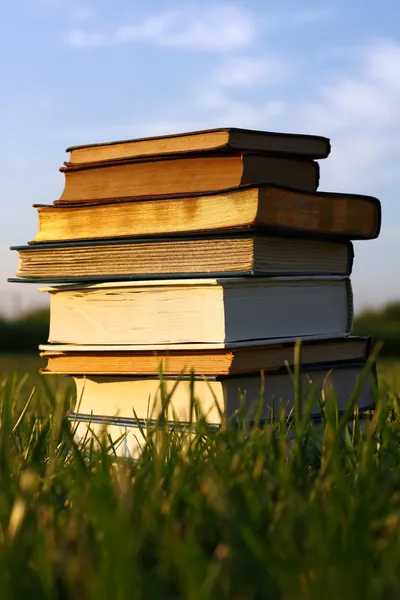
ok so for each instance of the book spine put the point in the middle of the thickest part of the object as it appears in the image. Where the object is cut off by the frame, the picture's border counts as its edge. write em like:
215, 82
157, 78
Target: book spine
350, 306
350, 258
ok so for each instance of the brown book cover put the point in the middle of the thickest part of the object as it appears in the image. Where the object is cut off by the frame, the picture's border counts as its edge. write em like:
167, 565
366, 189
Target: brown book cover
208, 361
189, 174
218, 139
274, 210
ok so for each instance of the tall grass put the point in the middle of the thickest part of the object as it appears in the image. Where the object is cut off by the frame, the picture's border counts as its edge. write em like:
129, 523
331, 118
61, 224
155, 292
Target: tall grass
289, 510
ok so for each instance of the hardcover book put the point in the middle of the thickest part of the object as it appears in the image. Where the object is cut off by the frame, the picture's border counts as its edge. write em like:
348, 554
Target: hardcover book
234, 253
140, 177
221, 139
200, 310
271, 209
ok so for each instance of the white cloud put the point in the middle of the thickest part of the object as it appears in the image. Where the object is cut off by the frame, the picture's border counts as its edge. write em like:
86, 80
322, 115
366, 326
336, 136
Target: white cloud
219, 27
360, 114
382, 64
224, 111
235, 114
354, 163
247, 72
356, 105
241, 74
81, 39
353, 102
210, 98
357, 108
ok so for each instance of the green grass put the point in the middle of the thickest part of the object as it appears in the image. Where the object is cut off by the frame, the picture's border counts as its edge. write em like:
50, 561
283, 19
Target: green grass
26, 368
236, 514
389, 375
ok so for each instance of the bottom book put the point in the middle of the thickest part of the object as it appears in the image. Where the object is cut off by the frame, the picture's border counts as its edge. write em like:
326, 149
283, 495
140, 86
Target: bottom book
125, 407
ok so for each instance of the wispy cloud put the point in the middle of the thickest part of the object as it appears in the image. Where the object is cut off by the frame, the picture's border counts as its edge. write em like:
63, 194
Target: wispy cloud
360, 113
219, 27
356, 108
222, 96
248, 72
219, 111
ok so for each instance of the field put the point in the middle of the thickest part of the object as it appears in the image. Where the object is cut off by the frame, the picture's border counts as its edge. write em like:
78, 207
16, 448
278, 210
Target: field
28, 365
284, 511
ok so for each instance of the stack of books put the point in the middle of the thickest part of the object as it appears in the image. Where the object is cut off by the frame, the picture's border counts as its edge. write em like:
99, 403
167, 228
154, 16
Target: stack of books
203, 256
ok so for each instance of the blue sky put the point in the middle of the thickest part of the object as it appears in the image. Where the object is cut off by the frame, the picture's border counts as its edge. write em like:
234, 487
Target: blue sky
81, 72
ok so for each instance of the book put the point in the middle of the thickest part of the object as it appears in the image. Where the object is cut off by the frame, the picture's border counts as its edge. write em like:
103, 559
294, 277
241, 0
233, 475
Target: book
135, 178
200, 310
120, 405
182, 256
221, 139
269, 208
234, 359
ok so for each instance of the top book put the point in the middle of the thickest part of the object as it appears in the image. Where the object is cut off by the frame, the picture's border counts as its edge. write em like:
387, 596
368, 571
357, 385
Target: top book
209, 140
